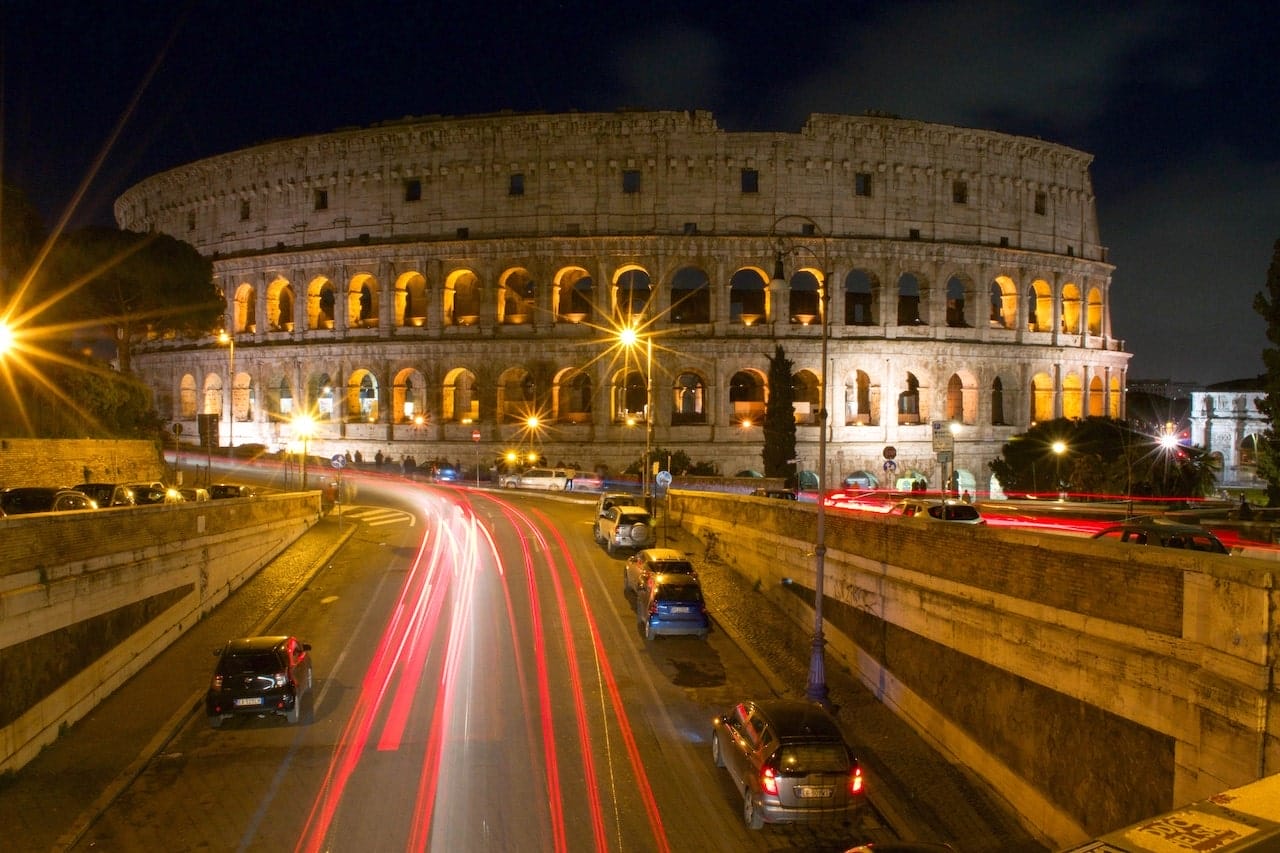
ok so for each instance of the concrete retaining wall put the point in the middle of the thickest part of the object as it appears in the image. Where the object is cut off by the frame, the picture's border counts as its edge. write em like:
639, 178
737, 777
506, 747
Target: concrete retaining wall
1093, 684
89, 598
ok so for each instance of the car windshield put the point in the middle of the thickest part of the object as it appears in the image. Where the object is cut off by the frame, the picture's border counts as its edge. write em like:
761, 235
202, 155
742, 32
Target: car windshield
249, 662
679, 592
798, 759
672, 567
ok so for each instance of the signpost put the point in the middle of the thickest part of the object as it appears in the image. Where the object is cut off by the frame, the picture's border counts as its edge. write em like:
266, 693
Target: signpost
944, 444
475, 437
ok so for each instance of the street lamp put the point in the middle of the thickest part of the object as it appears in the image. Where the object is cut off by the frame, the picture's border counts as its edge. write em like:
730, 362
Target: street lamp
303, 427
816, 688
230, 342
629, 336
1059, 448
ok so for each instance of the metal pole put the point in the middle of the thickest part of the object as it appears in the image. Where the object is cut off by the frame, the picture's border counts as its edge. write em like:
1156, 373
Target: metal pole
816, 689
231, 379
648, 420
304, 462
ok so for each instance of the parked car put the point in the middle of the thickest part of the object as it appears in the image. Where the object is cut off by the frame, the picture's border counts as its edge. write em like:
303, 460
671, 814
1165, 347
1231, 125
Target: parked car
624, 527
643, 565
672, 605
439, 471
221, 491
260, 676
789, 760
547, 479
155, 493
936, 510
21, 500
606, 500
194, 495
903, 847
780, 494
1167, 534
108, 494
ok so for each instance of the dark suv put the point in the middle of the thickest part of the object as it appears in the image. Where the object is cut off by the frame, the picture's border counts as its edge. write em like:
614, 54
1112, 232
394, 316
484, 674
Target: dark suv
260, 676
789, 760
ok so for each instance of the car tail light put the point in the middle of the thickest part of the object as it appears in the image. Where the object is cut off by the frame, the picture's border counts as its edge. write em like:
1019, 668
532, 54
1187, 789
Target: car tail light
281, 679
855, 781
217, 681
769, 781
653, 607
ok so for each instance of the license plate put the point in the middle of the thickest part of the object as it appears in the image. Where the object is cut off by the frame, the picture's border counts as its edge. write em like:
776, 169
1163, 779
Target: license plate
248, 701
806, 792
682, 610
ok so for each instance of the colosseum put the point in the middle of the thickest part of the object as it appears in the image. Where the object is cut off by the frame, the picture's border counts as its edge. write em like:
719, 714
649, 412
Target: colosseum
425, 287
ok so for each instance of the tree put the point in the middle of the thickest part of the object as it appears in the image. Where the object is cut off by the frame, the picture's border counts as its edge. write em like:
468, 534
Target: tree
133, 285
779, 452
1268, 306
1101, 457
21, 233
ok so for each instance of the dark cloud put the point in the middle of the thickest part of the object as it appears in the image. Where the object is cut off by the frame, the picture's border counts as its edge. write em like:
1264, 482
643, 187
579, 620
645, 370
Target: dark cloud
1173, 99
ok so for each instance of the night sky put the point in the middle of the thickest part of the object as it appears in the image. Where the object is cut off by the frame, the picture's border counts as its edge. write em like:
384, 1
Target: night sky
1177, 102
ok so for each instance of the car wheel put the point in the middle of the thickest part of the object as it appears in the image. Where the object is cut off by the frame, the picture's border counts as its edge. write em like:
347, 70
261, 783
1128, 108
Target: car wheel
639, 534
293, 714
753, 816
215, 721
626, 582
716, 755
649, 634
608, 547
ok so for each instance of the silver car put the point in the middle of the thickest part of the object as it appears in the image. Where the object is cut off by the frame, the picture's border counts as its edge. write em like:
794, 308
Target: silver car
624, 527
643, 565
789, 759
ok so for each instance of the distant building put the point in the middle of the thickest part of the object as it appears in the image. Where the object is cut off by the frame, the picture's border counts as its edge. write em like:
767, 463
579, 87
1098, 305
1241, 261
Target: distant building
1225, 420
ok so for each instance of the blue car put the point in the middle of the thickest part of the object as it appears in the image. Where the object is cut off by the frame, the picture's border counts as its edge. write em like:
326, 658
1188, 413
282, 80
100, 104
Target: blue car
673, 606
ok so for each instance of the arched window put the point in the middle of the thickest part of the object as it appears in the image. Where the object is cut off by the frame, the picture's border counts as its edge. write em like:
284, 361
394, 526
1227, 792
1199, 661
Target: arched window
909, 301
746, 297
747, 397
690, 296
858, 305
690, 403
459, 403
804, 298
997, 402
909, 402
956, 317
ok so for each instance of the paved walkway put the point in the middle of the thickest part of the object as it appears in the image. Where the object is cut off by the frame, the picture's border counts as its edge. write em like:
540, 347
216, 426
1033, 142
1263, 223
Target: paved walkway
51, 802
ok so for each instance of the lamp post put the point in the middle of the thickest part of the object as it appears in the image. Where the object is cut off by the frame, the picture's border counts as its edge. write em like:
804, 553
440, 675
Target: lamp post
230, 342
816, 687
303, 426
629, 337
1059, 448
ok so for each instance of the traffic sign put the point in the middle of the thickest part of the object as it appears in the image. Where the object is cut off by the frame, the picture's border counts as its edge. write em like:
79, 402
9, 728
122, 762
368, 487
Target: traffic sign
663, 479
339, 461
890, 465
943, 439
475, 435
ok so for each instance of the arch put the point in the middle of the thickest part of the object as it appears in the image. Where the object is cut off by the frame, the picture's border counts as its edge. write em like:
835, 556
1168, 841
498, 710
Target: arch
805, 286
1072, 315
321, 298
280, 299
747, 289
242, 396
244, 316
411, 299
911, 302
632, 292
1094, 314
280, 403
459, 401
807, 396
517, 297
1039, 306
408, 397
747, 395
213, 394
187, 402
1041, 398
571, 396
689, 405
573, 295
690, 296
1247, 450
461, 298
1004, 302
861, 400
997, 402
362, 397
953, 409
517, 396
912, 404
362, 302
861, 297
959, 301
1072, 396
321, 400
628, 396
1097, 399
1113, 404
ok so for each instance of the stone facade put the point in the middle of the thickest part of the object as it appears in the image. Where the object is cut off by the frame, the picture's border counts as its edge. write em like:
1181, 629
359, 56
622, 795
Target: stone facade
423, 287
1225, 421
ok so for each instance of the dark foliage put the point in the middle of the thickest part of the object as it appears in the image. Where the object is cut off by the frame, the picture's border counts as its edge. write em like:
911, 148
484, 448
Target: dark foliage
1267, 304
779, 449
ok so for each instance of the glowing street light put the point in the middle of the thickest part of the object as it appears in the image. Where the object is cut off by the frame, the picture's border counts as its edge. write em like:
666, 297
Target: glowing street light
1059, 447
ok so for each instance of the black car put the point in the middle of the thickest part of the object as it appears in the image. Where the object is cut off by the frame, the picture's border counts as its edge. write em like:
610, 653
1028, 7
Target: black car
222, 491
259, 676
21, 500
1163, 533
789, 760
